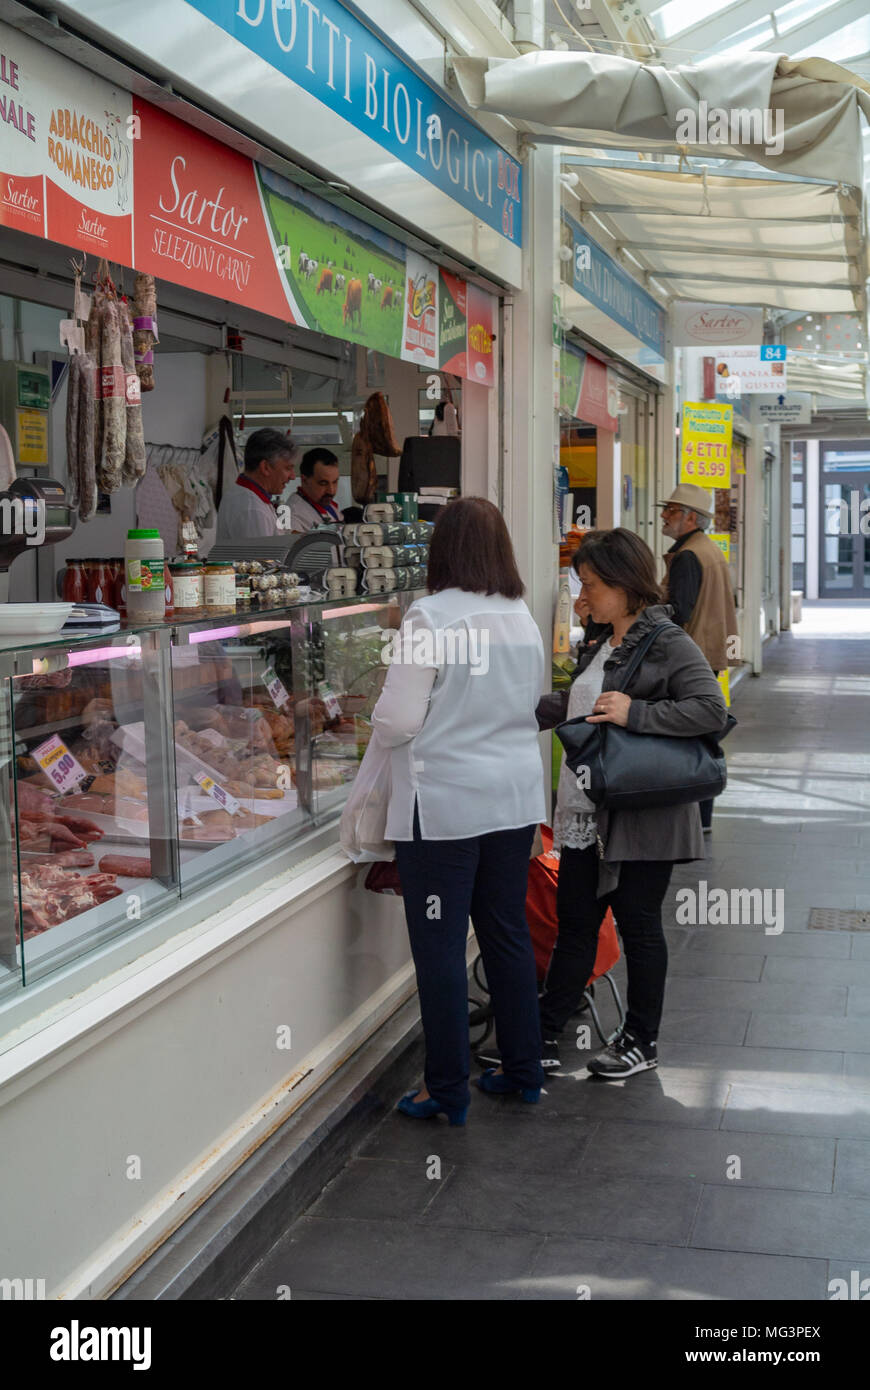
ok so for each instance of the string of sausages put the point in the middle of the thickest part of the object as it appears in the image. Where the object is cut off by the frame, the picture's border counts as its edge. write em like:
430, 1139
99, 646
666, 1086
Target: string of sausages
104, 435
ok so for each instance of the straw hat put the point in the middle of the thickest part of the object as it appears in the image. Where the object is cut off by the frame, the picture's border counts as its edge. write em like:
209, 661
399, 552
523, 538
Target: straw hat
693, 498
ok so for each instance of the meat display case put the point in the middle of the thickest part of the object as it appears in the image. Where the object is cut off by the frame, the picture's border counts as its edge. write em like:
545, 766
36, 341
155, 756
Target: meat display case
144, 765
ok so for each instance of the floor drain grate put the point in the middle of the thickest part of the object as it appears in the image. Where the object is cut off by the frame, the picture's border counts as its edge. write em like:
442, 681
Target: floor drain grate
839, 919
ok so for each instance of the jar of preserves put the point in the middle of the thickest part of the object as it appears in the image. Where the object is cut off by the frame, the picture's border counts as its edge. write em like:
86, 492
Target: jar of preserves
220, 587
187, 587
121, 590
99, 581
74, 588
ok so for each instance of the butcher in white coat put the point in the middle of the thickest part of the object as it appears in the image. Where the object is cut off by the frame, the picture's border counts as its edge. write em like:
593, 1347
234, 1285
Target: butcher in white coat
246, 509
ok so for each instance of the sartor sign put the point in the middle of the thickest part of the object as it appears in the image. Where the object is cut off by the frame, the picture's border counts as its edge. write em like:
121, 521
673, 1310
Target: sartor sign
328, 52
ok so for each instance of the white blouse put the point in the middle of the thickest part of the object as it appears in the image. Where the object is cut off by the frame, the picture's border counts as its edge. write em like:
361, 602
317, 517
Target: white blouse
574, 821
458, 711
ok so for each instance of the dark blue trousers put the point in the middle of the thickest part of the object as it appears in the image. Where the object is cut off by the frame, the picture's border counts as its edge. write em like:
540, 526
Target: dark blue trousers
444, 882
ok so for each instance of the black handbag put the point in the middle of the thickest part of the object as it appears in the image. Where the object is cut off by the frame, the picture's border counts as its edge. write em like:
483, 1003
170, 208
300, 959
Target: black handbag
629, 771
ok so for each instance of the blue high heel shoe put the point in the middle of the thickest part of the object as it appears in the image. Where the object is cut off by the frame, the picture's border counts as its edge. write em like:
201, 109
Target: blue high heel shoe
428, 1109
501, 1085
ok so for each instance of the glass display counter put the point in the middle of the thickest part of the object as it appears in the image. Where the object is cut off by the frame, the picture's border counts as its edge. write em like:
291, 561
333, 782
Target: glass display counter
143, 765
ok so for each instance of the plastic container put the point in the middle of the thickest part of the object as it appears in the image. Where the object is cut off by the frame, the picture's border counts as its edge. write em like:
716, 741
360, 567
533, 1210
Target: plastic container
220, 587
143, 566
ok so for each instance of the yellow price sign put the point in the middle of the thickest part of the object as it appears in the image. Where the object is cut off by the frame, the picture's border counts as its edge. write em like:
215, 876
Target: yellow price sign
723, 540
705, 443
738, 454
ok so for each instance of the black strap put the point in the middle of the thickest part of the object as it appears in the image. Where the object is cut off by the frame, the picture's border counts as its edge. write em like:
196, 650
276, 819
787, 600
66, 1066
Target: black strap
640, 652
226, 437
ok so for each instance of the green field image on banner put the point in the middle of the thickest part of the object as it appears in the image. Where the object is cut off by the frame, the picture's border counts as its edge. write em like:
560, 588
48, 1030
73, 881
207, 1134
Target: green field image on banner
570, 381
360, 296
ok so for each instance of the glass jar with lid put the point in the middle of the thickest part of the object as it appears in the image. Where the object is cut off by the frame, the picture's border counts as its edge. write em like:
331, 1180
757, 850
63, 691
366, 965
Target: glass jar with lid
188, 588
220, 587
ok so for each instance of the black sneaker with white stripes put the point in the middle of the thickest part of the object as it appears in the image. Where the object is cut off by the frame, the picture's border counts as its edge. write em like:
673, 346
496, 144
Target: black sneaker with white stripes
623, 1057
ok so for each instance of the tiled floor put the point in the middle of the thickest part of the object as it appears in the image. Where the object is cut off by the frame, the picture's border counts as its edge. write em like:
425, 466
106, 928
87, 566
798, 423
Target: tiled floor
739, 1169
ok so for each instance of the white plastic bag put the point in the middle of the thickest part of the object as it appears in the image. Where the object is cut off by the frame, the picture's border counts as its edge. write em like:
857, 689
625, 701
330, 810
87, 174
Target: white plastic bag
364, 819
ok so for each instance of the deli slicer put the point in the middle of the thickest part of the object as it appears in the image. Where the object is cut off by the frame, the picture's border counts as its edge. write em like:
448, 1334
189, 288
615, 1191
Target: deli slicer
33, 512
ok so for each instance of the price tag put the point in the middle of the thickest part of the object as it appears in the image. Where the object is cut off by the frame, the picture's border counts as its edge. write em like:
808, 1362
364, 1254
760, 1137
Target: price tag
58, 763
72, 336
275, 687
218, 794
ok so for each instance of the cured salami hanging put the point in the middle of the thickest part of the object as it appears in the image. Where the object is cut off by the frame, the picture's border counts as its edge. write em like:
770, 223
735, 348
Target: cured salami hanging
134, 448
145, 329
104, 433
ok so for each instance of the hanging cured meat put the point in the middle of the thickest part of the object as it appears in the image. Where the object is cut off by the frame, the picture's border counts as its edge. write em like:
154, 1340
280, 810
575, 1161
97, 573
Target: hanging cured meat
145, 329
134, 446
104, 435
375, 436
377, 426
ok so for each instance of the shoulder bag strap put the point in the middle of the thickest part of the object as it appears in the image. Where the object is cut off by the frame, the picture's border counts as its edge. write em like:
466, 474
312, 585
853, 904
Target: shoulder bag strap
639, 653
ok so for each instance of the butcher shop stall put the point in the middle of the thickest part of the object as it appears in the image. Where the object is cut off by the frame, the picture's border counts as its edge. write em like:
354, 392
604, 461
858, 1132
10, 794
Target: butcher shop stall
184, 949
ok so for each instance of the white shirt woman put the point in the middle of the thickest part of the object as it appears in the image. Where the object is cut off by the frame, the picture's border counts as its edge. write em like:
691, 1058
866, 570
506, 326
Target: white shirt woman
457, 710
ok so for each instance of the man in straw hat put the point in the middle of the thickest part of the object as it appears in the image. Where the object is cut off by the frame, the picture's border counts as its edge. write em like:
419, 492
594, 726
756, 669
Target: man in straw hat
698, 584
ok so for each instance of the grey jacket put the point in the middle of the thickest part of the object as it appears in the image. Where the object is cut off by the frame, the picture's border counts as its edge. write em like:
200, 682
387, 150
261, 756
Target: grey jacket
673, 692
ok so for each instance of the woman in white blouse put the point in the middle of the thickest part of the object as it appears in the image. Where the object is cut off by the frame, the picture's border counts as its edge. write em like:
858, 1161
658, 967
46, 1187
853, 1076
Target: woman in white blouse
458, 712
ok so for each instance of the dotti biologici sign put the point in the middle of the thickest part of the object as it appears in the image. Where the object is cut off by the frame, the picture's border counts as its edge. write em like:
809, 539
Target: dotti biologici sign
332, 55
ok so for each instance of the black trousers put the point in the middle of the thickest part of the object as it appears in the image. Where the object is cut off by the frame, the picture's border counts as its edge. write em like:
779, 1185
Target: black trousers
636, 904
444, 882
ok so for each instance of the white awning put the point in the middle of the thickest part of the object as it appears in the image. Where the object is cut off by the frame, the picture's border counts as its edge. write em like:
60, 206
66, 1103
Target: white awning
782, 243
609, 102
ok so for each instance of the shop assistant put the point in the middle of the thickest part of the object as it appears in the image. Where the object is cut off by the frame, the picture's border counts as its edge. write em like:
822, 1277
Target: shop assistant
313, 504
246, 509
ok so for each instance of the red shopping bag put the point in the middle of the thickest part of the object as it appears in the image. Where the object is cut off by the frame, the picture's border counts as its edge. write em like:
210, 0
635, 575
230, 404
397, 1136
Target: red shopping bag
542, 919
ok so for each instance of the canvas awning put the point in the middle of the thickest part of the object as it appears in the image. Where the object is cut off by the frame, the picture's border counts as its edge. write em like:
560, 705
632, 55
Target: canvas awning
610, 102
783, 243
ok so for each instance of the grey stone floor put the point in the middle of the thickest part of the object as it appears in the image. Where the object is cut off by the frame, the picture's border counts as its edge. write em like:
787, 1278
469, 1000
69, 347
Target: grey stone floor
741, 1167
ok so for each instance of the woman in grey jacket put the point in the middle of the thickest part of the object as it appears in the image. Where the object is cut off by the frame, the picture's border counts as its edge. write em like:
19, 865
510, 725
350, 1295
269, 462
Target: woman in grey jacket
624, 859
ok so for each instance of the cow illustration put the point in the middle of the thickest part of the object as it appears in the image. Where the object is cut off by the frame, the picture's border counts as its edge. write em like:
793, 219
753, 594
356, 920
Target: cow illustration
340, 282
325, 284
352, 309
372, 282
387, 298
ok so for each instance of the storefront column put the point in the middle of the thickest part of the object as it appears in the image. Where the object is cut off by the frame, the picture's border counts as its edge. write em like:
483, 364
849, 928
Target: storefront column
785, 535
811, 525
754, 540
609, 484
531, 420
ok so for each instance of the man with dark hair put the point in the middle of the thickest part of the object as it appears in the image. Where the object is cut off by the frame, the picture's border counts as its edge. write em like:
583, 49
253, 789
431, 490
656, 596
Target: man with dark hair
246, 508
313, 504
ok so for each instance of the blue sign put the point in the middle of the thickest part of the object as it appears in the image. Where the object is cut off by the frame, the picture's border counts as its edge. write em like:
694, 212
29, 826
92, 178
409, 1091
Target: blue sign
606, 285
773, 352
329, 53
